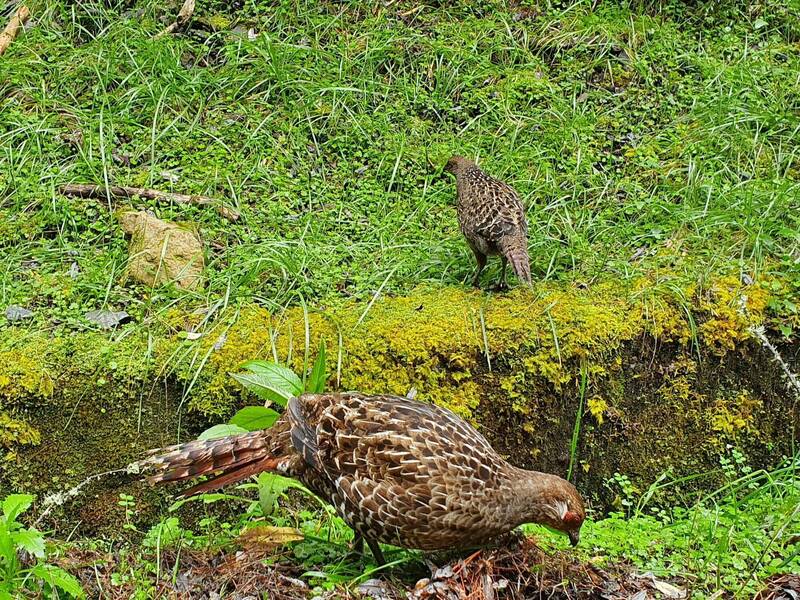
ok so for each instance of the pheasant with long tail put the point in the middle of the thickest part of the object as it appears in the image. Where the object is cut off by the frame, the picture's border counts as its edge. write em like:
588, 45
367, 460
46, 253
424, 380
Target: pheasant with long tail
398, 471
492, 218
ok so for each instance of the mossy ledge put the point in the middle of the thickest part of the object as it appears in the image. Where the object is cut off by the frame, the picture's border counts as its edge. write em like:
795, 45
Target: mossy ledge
661, 380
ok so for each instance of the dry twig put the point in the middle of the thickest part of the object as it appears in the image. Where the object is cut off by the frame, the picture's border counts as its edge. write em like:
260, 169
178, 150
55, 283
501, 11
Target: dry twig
14, 25
114, 191
184, 14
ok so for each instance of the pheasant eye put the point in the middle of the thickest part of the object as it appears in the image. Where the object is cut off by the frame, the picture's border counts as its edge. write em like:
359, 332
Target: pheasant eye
572, 519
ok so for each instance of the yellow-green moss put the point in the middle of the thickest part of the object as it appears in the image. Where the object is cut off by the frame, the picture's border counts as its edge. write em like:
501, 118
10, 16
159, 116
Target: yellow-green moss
432, 340
648, 366
680, 384
23, 374
732, 309
38, 367
14, 432
734, 416
435, 340
597, 408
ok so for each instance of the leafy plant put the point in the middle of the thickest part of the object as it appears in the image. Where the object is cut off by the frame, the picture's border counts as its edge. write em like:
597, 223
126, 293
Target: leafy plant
166, 533
732, 539
16, 541
271, 382
274, 384
128, 502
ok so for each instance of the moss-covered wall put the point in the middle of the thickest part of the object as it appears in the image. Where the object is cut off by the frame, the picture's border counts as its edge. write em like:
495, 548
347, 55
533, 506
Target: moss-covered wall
661, 378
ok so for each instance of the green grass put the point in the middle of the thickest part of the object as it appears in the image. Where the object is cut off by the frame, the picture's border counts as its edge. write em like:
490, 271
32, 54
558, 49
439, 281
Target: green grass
665, 131
732, 539
669, 131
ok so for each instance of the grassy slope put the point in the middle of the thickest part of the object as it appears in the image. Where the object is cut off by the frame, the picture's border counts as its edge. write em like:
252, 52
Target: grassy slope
673, 129
670, 132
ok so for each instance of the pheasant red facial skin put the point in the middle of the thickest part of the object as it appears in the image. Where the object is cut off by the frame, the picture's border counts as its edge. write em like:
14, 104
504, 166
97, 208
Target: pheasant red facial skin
398, 471
492, 219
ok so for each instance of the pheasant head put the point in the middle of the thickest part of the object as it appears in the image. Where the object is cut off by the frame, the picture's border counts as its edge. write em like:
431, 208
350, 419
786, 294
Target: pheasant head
458, 165
551, 501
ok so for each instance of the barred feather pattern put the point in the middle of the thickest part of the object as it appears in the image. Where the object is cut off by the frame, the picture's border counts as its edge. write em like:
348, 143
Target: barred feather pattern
515, 249
398, 471
491, 217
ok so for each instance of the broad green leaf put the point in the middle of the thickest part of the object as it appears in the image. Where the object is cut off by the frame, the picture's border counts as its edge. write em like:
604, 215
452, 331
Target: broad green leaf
221, 430
207, 499
267, 496
316, 382
266, 536
253, 418
58, 578
284, 375
264, 386
278, 483
270, 486
270, 381
16, 504
31, 540
8, 552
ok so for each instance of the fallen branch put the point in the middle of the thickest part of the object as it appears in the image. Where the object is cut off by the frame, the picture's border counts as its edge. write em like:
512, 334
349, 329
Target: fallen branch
14, 25
114, 191
184, 14
794, 382
60, 498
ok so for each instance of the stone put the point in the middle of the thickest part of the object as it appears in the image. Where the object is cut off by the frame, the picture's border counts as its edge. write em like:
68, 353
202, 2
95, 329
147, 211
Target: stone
107, 319
18, 313
163, 252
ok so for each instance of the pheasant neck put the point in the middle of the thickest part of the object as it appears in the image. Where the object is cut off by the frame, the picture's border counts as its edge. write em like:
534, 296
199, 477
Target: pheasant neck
531, 496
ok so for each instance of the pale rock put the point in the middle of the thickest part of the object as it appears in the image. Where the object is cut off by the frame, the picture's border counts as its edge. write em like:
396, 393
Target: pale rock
162, 252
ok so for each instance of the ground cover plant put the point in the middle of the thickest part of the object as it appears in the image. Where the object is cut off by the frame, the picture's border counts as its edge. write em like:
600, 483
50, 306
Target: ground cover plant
37, 576
652, 138
660, 137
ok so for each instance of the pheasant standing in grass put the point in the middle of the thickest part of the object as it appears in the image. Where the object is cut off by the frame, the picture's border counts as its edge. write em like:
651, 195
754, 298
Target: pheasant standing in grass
492, 219
398, 471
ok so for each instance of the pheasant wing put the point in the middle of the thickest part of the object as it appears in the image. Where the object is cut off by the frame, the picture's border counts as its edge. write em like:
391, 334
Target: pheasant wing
503, 215
402, 471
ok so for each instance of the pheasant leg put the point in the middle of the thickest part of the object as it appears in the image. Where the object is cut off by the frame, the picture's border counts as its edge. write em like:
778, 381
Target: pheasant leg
376, 552
502, 285
356, 548
481, 258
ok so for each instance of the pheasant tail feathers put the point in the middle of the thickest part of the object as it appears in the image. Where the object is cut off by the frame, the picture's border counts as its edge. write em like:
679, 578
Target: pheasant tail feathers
234, 458
516, 251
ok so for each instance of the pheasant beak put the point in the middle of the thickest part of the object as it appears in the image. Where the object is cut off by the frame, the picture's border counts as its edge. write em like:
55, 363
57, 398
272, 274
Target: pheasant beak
574, 537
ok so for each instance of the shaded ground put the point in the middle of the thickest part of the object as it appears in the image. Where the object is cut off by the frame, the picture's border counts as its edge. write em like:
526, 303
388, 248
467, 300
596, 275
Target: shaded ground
519, 571
781, 587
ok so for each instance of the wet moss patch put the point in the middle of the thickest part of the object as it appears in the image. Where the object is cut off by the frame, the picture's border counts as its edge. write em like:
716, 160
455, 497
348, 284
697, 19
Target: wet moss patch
657, 380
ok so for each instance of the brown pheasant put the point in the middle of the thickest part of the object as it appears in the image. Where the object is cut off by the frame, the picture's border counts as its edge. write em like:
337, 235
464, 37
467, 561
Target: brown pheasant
492, 219
398, 471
